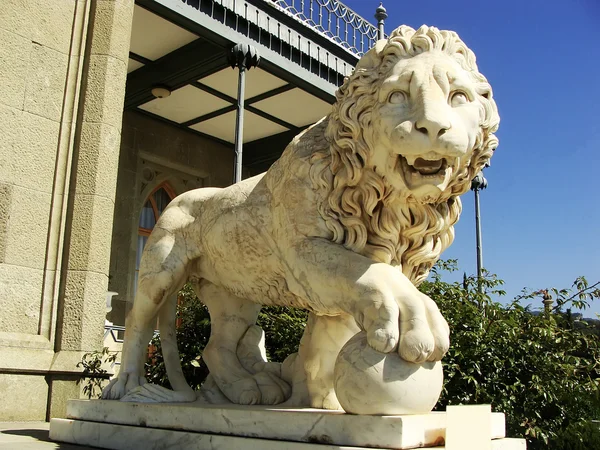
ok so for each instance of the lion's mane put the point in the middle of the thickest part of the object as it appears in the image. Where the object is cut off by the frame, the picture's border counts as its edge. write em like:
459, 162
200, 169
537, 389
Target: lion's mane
360, 208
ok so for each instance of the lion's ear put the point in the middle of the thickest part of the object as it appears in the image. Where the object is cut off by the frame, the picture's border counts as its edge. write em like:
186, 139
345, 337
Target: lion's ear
372, 58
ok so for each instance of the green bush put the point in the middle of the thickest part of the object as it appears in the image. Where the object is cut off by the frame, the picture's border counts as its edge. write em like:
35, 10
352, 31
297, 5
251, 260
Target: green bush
283, 329
539, 369
192, 336
578, 436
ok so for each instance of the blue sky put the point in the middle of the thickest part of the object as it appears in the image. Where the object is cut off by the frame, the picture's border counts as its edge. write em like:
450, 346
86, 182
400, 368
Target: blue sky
541, 211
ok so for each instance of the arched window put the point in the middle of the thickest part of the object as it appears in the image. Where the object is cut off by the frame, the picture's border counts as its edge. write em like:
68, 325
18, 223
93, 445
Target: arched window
155, 205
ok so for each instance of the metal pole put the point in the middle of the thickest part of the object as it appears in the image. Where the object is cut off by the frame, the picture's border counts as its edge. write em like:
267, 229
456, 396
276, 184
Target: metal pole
381, 15
239, 125
244, 57
478, 235
478, 183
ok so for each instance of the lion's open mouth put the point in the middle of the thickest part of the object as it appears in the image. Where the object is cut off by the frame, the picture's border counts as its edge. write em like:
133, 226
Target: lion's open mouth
423, 167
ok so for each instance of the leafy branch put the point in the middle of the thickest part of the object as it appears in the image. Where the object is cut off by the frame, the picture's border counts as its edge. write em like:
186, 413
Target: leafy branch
94, 373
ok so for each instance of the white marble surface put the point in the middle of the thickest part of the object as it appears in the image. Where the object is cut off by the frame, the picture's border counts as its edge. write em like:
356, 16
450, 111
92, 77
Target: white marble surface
299, 425
351, 217
370, 382
123, 437
468, 421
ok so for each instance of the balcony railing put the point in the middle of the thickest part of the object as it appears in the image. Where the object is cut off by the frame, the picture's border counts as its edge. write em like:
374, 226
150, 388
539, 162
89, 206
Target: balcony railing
113, 333
334, 20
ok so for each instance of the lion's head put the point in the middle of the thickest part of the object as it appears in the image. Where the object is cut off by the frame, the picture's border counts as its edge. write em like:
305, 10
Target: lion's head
411, 127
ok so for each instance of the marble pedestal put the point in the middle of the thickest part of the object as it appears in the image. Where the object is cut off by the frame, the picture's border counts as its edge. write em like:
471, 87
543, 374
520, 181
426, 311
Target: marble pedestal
121, 425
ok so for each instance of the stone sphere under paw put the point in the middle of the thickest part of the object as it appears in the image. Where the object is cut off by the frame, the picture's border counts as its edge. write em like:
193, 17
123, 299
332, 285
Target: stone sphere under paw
370, 382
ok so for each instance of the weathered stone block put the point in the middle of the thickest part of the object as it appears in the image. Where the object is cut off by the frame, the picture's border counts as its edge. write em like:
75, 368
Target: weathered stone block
112, 28
91, 234
27, 228
24, 397
20, 299
98, 160
81, 324
27, 149
47, 23
45, 89
14, 53
60, 392
29, 359
105, 90
5, 201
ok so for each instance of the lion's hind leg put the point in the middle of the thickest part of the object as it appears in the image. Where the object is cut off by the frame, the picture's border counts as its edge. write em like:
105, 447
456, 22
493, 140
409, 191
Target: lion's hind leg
269, 375
230, 318
321, 343
162, 273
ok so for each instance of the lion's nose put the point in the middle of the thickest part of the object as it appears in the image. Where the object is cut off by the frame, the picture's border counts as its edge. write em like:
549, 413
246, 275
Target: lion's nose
432, 127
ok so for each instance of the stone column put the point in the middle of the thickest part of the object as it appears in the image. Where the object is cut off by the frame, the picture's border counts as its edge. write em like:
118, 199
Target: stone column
41, 65
92, 186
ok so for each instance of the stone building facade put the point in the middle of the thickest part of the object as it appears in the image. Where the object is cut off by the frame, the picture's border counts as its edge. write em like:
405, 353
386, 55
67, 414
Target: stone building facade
84, 146
63, 67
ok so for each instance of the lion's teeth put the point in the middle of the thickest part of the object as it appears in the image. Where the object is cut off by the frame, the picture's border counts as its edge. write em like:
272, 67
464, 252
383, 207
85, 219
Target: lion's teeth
428, 167
410, 159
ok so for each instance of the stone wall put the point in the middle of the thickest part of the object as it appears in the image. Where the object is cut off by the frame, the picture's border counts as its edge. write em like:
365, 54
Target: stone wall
154, 152
40, 64
63, 67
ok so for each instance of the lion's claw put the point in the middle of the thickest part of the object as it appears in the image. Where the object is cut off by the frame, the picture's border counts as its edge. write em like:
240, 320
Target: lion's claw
383, 339
152, 393
121, 385
273, 389
381, 324
329, 401
416, 345
424, 333
442, 343
249, 398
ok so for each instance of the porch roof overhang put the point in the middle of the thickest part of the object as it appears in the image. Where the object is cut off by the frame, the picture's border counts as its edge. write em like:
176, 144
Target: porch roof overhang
182, 45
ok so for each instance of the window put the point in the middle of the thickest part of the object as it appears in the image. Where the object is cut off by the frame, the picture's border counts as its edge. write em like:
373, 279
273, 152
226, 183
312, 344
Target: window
155, 205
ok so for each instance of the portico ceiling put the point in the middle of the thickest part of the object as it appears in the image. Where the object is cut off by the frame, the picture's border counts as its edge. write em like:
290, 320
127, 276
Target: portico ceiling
204, 88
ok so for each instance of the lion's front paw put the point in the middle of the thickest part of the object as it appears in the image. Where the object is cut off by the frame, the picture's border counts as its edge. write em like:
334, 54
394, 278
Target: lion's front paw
327, 400
152, 393
380, 321
120, 386
424, 333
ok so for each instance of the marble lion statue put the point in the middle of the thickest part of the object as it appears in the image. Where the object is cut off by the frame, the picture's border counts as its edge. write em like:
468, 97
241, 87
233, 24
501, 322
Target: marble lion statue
345, 224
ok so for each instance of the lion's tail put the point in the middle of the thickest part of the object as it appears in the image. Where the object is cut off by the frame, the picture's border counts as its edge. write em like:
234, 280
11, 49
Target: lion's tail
168, 340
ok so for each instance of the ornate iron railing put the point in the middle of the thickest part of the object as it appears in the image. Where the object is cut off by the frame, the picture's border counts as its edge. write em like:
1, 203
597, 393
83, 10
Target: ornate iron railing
115, 332
335, 20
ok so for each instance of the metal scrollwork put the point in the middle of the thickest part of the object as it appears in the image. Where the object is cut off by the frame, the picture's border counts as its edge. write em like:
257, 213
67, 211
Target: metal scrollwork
335, 20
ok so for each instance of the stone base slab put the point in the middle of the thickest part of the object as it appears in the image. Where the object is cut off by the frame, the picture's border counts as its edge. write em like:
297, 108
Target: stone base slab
125, 437
113, 424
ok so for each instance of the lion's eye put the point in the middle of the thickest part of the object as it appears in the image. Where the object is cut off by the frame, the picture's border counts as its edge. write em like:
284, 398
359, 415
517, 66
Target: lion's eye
458, 98
397, 97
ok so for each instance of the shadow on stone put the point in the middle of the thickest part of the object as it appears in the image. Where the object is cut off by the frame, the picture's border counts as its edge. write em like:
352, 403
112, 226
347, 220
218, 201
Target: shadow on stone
40, 435
41, 439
